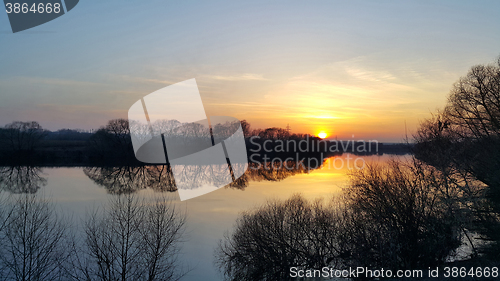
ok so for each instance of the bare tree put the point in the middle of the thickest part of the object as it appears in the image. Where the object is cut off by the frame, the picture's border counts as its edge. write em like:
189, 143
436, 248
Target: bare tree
31, 240
245, 126
394, 216
132, 240
112, 142
114, 241
22, 137
268, 241
5, 212
463, 142
404, 216
162, 229
474, 102
274, 133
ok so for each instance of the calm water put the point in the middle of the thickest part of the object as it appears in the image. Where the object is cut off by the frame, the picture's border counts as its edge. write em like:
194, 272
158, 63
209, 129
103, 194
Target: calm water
208, 216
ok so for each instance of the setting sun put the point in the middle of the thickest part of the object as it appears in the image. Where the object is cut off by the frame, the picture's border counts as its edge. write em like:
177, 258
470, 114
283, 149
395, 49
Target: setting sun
322, 135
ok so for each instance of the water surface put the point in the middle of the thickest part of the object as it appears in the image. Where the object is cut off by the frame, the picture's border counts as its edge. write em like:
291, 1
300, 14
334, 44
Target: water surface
210, 216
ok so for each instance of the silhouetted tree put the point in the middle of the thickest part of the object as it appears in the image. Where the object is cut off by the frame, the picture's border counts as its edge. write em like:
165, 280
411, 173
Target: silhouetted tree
20, 139
395, 217
31, 244
112, 143
403, 216
132, 240
274, 133
245, 126
474, 102
463, 141
267, 241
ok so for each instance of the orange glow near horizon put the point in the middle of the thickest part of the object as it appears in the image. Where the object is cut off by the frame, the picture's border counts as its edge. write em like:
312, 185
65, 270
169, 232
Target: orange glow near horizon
367, 103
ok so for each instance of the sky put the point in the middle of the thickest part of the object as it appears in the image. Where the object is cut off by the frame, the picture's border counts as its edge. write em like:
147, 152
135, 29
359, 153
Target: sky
356, 69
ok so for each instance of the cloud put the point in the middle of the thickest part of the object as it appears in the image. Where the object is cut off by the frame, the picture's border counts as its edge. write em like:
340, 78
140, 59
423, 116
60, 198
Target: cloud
242, 77
245, 104
139, 79
52, 81
370, 75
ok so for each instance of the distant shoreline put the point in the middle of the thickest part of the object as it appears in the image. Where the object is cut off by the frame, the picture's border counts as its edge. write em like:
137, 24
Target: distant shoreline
75, 153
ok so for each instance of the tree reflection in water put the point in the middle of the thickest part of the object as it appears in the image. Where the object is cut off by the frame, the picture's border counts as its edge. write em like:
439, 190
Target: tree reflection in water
259, 172
126, 180
21, 179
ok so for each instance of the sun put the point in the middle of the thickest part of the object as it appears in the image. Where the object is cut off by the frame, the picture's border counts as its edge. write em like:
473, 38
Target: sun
322, 135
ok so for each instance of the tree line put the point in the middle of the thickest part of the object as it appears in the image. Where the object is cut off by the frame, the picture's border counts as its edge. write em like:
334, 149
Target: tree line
28, 143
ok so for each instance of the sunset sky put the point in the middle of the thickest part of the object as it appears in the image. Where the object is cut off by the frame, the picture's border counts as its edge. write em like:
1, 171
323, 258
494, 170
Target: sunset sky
360, 68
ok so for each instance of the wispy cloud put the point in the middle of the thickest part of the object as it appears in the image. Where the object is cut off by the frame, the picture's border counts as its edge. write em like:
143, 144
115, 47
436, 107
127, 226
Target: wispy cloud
242, 77
370, 75
245, 104
53, 81
139, 79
